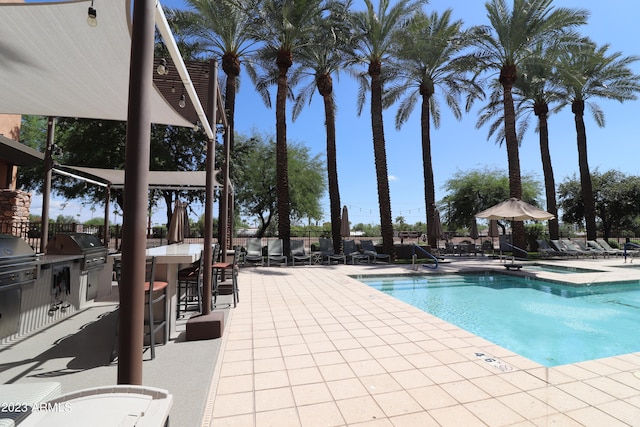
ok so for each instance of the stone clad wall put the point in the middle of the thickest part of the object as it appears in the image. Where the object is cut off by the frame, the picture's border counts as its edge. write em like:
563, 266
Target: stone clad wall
15, 206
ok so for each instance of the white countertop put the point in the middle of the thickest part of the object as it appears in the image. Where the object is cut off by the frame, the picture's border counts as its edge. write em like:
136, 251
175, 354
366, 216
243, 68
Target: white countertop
183, 253
176, 250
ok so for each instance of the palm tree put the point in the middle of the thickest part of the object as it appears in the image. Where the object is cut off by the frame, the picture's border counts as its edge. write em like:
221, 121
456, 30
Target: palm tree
586, 72
225, 30
324, 56
512, 38
426, 48
285, 28
374, 31
533, 89
533, 93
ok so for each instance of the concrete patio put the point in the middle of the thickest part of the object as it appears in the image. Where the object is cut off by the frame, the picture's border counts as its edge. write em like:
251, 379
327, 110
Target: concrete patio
312, 346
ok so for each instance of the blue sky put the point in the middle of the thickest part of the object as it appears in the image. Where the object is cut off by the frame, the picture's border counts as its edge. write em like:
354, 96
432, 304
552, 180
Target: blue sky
456, 145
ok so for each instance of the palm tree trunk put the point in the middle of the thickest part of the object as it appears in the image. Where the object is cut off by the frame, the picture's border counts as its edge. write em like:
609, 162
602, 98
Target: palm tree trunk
332, 171
427, 167
549, 182
585, 176
282, 164
513, 155
229, 106
380, 156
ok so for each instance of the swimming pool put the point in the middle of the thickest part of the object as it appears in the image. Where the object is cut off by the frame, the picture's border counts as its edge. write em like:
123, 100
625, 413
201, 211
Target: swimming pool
549, 323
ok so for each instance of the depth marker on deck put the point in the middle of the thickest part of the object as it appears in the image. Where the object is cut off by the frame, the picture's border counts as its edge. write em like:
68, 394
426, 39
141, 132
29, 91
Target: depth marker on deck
496, 363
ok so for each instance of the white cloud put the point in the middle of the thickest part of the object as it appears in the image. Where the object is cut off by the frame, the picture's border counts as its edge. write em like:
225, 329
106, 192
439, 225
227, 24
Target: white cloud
393, 178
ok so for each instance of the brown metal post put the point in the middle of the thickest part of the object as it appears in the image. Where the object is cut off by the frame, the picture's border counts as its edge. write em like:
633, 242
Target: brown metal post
107, 203
46, 188
224, 199
134, 211
208, 199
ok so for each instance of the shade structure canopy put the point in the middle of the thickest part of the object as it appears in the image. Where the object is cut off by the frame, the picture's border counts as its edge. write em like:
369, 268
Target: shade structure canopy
54, 64
158, 180
515, 210
18, 153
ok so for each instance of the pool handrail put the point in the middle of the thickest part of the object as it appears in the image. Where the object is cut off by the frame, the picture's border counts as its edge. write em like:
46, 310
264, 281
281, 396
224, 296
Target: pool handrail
512, 249
630, 245
429, 255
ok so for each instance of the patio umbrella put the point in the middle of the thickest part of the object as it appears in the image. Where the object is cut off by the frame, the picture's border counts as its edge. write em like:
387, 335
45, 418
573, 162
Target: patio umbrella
493, 231
515, 210
345, 231
435, 226
474, 231
178, 225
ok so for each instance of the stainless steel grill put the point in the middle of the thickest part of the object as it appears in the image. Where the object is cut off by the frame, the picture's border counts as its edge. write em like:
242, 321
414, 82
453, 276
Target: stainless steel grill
18, 267
17, 261
88, 245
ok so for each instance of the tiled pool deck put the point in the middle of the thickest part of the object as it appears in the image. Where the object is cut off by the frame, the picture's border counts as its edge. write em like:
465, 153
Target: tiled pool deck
310, 346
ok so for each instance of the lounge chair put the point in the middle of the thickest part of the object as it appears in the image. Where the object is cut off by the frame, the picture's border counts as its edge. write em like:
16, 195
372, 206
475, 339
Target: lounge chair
369, 249
595, 246
562, 247
605, 245
352, 253
587, 249
544, 250
254, 252
572, 246
326, 252
298, 253
275, 252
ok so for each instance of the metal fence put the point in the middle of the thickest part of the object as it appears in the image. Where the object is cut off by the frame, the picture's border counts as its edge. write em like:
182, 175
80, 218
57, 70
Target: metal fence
31, 232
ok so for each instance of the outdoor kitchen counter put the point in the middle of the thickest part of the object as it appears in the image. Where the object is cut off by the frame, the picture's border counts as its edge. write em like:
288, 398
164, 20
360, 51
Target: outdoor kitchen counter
56, 259
56, 292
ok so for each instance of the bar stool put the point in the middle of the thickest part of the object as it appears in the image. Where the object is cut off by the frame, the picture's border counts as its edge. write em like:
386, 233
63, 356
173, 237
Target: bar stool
224, 289
190, 281
155, 292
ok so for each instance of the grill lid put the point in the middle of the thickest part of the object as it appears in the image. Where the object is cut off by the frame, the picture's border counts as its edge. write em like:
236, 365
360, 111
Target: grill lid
74, 244
13, 249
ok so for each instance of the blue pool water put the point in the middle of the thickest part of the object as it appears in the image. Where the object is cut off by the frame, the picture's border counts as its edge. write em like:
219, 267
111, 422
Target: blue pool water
549, 323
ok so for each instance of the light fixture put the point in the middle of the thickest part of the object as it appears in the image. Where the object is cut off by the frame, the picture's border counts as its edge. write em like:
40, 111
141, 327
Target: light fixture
92, 16
183, 102
162, 69
173, 88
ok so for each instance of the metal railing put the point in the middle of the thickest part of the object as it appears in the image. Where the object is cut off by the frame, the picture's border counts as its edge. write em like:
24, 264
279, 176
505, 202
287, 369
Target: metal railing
31, 232
427, 253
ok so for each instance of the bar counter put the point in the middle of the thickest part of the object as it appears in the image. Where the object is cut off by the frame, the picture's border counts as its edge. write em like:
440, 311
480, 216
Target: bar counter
169, 259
